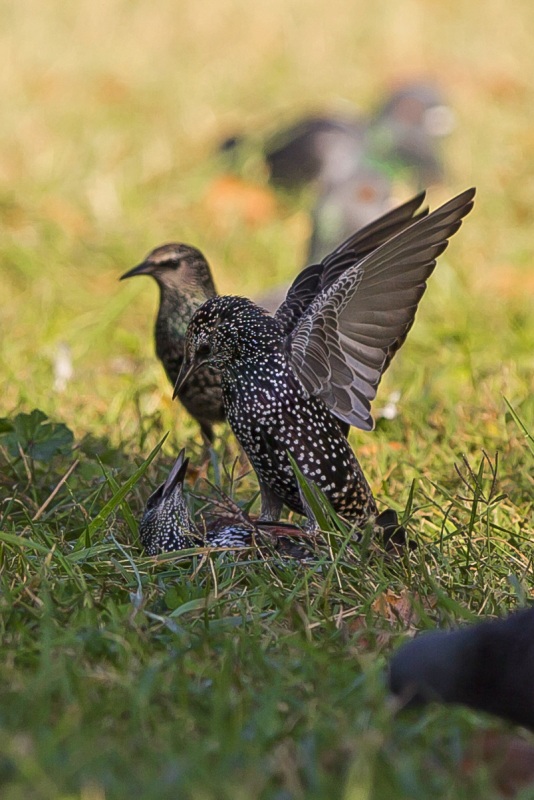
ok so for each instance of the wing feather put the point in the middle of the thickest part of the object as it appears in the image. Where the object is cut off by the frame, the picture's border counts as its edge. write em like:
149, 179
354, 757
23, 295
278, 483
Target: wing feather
318, 277
346, 338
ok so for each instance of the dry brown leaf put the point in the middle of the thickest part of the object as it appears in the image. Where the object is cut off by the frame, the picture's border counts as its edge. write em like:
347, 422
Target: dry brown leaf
197, 471
393, 608
402, 607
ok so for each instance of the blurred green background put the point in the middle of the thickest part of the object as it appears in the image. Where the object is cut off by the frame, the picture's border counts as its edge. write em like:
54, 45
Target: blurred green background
111, 115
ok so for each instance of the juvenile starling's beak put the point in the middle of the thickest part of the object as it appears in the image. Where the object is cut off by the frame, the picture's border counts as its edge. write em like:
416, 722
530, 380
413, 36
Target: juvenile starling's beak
140, 269
186, 370
176, 476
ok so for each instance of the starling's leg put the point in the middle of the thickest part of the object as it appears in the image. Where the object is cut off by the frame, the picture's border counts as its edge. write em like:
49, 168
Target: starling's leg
244, 464
271, 504
345, 427
208, 453
207, 433
311, 525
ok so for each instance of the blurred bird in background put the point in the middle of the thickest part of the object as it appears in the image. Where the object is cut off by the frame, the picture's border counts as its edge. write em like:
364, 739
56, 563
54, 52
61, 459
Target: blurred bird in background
354, 163
400, 136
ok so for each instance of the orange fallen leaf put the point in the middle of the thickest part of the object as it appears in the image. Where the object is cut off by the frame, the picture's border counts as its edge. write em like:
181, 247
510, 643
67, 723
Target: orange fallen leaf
229, 197
70, 219
393, 608
368, 449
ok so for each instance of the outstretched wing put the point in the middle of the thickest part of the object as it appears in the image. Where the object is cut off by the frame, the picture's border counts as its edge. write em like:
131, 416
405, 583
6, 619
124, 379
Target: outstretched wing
343, 343
316, 278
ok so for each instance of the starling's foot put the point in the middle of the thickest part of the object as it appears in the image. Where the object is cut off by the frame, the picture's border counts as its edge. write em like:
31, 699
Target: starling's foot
207, 441
271, 504
288, 548
310, 526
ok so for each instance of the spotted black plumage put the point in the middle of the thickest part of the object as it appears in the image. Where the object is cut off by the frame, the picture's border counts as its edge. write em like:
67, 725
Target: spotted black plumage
323, 354
185, 282
167, 525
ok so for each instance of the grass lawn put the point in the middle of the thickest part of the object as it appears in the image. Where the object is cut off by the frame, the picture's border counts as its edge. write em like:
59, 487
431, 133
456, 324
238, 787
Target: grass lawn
229, 677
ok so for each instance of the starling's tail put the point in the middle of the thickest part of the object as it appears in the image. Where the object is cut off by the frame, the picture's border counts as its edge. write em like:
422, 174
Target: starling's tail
395, 536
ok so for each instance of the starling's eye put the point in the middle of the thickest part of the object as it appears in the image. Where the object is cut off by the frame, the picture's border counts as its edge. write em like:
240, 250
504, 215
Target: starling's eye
203, 350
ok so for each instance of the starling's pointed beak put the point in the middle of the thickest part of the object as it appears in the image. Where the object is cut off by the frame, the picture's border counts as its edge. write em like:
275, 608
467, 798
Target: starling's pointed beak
186, 370
140, 269
176, 476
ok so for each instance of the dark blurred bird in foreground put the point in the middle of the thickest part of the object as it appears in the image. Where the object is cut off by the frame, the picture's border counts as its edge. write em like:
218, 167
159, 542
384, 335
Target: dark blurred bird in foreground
167, 525
400, 135
185, 282
293, 384
489, 667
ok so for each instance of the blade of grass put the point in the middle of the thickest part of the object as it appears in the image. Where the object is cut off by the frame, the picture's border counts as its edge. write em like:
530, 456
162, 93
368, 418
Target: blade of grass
520, 424
119, 496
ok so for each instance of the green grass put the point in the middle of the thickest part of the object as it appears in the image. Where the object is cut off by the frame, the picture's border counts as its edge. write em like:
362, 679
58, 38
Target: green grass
239, 676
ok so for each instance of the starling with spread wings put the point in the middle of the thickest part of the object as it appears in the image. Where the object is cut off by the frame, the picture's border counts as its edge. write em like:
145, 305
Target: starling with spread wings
293, 384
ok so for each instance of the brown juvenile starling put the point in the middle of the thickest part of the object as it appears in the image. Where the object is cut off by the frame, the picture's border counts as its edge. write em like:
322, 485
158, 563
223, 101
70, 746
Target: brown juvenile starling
185, 282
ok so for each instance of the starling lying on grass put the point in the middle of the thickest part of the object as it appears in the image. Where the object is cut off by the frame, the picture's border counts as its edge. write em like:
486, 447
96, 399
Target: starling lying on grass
293, 384
489, 667
185, 282
167, 525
